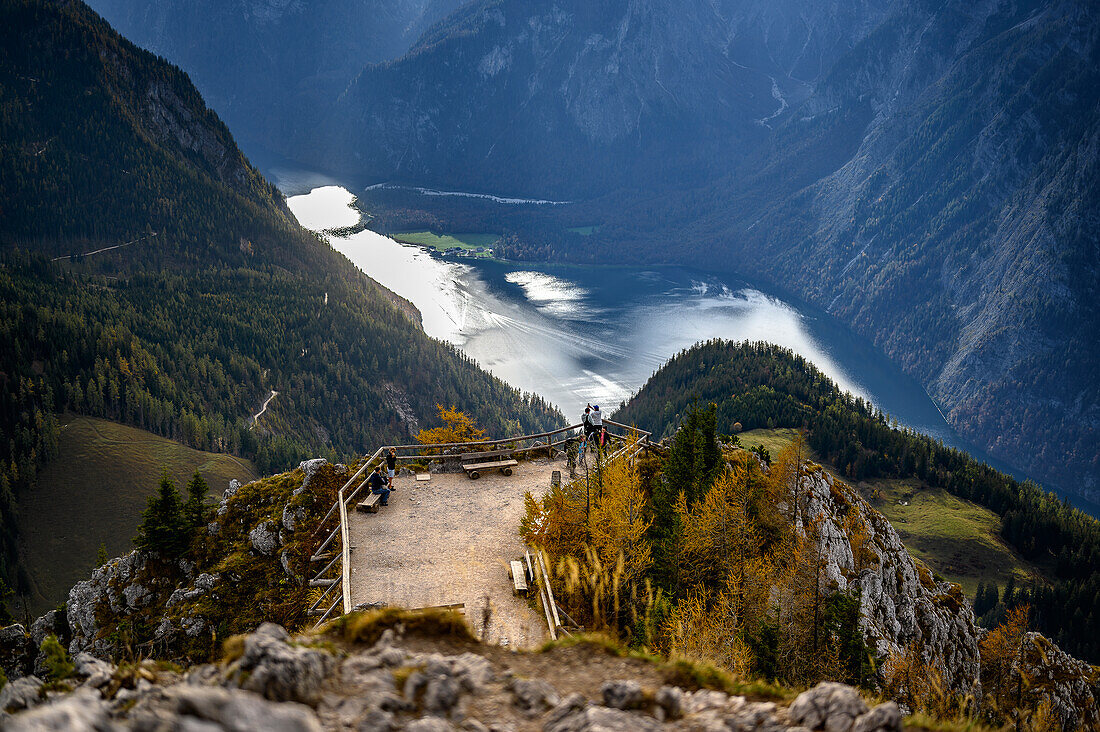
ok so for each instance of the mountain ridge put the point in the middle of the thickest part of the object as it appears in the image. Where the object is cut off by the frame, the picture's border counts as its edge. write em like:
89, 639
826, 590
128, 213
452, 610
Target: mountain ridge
199, 294
930, 186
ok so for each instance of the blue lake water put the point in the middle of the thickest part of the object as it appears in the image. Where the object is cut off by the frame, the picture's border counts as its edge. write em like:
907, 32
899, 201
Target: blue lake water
578, 334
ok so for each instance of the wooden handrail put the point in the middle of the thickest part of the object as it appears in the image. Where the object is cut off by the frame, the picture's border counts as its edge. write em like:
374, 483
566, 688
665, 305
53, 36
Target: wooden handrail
340, 507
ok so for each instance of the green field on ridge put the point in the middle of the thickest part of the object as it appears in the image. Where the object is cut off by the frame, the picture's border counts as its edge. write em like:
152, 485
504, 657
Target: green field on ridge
93, 493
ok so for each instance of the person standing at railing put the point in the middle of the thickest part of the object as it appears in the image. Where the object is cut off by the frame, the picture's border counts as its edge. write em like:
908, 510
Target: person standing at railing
391, 466
597, 424
378, 485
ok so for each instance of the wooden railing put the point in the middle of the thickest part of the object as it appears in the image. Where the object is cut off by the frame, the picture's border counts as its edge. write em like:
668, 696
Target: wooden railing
633, 441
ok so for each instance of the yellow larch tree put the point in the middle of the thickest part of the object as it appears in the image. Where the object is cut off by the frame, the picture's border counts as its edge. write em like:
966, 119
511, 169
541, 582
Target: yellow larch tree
619, 521
457, 427
719, 534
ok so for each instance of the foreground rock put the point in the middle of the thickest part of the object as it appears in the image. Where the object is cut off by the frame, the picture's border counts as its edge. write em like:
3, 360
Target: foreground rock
412, 683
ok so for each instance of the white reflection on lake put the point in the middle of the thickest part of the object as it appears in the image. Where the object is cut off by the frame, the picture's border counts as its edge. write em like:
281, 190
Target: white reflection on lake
571, 334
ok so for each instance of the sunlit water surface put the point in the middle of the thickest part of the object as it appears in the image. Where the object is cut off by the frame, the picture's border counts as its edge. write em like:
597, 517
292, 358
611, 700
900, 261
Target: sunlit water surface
580, 334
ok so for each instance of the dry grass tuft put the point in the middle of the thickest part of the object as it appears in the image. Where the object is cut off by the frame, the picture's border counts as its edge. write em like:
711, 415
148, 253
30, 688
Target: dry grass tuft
368, 627
233, 648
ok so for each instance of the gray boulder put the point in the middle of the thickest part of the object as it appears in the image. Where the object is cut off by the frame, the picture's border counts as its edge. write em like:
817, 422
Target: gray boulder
52, 622
236, 711
264, 538
883, 718
310, 468
828, 706
13, 633
292, 516
223, 505
670, 702
279, 671
82, 711
203, 584
96, 673
573, 715
626, 694
20, 694
534, 696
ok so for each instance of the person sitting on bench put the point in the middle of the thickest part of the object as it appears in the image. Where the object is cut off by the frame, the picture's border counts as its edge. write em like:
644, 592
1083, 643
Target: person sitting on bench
378, 485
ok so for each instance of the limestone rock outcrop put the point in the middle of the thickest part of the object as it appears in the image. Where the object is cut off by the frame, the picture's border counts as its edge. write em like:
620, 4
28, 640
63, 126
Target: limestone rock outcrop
900, 601
302, 685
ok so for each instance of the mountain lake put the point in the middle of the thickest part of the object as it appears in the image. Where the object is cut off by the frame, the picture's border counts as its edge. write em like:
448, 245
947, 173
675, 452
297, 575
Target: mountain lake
594, 334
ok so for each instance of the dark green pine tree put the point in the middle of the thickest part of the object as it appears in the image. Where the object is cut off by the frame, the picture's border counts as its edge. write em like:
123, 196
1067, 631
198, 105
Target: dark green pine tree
163, 529
695, 459
195, 511
693, 466
1009, 596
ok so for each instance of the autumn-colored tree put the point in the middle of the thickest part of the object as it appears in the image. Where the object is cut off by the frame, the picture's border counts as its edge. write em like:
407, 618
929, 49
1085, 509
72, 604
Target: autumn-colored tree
1002, 652
708, 629
719, 534
556, 522
785, 473
907, 677
619, 521
457, 427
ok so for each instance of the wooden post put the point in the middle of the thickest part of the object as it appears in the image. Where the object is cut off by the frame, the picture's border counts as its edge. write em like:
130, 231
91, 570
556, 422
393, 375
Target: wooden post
549, 590
545, 603
555, 479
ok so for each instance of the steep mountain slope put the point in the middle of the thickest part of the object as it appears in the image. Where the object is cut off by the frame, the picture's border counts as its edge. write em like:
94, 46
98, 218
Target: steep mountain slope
926, 172
581, 98
197, 294
760, 385
266, 65
960, 234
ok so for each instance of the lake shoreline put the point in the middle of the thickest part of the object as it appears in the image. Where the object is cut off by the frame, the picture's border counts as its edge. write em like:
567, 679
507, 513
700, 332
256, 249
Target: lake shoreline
509, 313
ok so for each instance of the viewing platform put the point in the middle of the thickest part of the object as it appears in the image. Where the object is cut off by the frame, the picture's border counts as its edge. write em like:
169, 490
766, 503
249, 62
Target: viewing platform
448, 541
448, 538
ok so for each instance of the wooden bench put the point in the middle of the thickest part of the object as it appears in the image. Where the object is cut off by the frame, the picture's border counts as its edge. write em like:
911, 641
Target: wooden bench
474, 462
370, 504
519, 579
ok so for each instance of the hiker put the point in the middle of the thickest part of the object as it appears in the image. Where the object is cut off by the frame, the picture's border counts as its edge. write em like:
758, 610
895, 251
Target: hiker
586, 422
597, 424
391, 466
378, 485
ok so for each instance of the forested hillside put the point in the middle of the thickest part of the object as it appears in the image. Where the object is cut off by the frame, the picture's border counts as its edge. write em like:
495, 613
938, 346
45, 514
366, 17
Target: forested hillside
761, 385
193, 293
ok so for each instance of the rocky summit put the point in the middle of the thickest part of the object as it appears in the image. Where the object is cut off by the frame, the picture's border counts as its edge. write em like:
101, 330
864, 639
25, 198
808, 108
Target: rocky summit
422, 678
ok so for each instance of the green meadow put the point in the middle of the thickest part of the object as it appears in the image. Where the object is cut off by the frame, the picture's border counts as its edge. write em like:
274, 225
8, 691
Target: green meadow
443, 242
93, 493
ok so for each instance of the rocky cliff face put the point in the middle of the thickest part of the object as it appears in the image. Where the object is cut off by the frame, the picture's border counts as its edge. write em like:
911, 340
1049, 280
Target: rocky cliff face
248, 567
903, 606
900, 601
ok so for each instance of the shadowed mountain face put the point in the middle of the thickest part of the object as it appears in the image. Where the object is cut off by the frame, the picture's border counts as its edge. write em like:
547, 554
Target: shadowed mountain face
577, 99
265, 64
189, 294
925, 171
